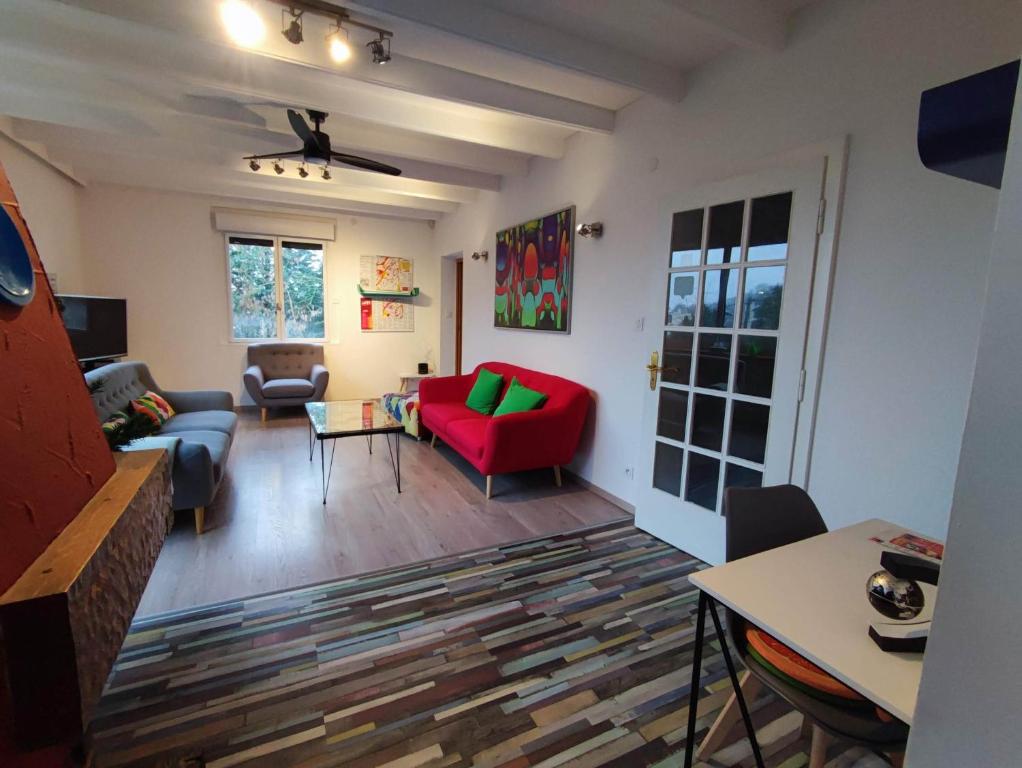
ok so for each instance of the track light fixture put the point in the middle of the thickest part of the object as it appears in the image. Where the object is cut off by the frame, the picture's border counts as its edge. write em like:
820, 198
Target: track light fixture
593, 230
326, 174
245, 27
254, 165
340, 49
484, 255
380, 49
292, 31
277, 167
302, 171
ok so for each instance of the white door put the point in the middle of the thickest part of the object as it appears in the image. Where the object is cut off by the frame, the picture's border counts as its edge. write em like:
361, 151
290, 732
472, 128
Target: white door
729, 331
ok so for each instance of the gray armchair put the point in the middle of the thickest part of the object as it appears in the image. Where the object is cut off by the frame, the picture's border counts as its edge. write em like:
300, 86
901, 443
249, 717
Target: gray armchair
285, 373
198, 436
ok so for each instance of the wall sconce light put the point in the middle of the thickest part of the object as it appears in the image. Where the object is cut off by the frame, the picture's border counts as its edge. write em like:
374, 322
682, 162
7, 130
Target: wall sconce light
484, 255
590, 230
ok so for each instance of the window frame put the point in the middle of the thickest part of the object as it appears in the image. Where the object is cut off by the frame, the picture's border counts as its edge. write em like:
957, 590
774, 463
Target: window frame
278, 276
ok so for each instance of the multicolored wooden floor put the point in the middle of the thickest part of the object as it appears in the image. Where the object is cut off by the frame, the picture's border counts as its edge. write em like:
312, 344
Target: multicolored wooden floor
567, 650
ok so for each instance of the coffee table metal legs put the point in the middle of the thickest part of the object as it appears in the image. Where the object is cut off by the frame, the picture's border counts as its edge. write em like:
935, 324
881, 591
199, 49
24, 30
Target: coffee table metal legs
395, 458
705, 601
322, 464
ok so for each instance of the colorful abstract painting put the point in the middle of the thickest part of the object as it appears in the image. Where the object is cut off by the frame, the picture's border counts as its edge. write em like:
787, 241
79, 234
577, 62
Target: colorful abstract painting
533, 274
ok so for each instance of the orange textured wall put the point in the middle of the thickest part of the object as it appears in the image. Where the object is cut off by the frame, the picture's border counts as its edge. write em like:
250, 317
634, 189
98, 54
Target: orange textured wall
53, 457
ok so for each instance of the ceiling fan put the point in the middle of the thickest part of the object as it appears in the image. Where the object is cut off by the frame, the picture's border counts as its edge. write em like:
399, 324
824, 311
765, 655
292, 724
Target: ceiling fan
316, 149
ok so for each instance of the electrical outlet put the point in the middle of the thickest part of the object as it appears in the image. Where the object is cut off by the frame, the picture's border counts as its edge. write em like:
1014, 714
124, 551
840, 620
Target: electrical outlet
629, 472
640, 324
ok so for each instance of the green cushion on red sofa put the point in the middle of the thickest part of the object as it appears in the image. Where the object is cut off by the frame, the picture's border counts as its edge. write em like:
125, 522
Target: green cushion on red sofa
519, 398
485, 392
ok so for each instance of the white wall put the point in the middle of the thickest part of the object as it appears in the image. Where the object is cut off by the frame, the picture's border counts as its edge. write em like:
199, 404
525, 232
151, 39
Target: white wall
49, 203
910, 268
970, 699
161, 252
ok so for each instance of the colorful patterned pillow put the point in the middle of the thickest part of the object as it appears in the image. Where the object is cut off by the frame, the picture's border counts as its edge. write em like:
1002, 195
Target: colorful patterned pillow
115, 420
153, 406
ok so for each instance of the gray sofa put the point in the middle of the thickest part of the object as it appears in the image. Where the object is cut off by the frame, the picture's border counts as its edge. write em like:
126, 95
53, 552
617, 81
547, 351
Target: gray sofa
285, 373
198, 437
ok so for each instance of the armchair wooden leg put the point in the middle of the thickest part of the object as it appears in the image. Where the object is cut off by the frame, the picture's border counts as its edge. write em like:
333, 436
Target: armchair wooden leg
262, 414
432, 441
730, 714
818, 751
557, 475
200, 520
489, 486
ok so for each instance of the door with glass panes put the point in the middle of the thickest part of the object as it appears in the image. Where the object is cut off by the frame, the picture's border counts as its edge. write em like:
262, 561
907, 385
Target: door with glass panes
727, 341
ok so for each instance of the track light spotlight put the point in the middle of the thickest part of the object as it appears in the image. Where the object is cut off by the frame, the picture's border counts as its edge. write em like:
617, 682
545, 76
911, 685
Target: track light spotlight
277, 167
340, 49
242, 22
292, 31
326, 174
380, 49
254, 165
484, 255
302, 172
590, 230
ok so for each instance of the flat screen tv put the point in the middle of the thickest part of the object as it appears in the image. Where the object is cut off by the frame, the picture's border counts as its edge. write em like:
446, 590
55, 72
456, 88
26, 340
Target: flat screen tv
97, 326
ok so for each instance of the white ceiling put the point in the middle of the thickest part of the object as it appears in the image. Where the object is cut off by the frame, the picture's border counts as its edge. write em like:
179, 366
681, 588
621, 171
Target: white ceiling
153, 93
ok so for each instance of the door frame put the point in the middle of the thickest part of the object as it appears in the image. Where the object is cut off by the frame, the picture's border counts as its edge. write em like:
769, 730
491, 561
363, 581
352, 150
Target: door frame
834, 156
459, 292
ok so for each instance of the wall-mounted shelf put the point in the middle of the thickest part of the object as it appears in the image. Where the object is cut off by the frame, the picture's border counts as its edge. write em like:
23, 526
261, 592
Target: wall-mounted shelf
388, 294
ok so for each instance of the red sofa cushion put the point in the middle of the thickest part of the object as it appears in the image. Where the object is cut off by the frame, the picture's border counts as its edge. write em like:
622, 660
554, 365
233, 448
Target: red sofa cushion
439, 415
467, 436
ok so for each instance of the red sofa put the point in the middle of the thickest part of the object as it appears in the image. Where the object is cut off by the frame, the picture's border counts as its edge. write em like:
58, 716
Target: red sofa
545, 437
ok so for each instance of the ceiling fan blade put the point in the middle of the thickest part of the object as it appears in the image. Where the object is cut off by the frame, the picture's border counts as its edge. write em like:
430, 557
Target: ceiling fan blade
275, 155
366, 164
300, 127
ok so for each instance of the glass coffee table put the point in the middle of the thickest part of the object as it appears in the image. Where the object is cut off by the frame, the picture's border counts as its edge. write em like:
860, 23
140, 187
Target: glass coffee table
349, 418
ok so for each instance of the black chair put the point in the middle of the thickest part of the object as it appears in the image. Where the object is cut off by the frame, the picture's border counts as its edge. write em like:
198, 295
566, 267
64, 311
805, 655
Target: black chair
759, 519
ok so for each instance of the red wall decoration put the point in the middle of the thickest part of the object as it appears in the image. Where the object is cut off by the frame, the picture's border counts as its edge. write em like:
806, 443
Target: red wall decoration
53, 457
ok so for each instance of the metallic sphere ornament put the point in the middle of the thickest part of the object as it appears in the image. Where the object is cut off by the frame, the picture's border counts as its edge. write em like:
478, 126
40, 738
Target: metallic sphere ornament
893, 597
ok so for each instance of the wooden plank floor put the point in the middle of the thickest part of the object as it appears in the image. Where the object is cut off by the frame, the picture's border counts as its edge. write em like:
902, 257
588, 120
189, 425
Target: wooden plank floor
268, 529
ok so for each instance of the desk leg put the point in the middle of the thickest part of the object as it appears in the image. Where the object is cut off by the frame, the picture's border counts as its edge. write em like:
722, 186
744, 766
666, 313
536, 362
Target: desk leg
312, 445
734, 681
693, 694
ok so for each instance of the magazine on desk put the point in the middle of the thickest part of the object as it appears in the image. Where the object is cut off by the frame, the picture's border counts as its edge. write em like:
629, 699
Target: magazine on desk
910, 543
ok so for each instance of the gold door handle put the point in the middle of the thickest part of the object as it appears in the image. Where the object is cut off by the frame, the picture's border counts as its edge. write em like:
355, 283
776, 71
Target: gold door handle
654, 368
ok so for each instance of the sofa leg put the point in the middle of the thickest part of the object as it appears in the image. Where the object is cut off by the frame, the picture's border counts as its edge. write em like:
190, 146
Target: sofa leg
262, 414
489, 486
432, 441
200, 520
557, 475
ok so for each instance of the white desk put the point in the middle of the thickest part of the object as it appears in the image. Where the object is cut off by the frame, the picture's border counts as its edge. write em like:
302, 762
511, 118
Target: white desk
410, 381
811, 595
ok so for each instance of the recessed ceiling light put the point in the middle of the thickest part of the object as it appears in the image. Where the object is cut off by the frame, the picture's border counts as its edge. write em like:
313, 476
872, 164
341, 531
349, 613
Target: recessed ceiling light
243, 24
340, 50
277, 167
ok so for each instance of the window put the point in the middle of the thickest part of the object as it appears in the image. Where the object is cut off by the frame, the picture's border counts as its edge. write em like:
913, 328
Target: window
276, 289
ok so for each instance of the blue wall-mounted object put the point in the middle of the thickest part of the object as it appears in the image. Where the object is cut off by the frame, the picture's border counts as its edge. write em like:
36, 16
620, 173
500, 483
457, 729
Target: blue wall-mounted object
964, 125
17, 280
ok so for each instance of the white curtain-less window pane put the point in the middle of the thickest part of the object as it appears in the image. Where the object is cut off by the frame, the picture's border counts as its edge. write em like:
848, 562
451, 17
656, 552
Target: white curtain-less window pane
253, 289
303, 304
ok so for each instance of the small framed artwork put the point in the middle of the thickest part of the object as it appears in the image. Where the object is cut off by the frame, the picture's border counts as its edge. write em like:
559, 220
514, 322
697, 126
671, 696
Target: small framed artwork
534, 262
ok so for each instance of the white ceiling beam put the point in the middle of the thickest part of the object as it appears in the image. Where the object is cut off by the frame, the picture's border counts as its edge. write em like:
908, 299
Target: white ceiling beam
746, 23
530, 39
190, 18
